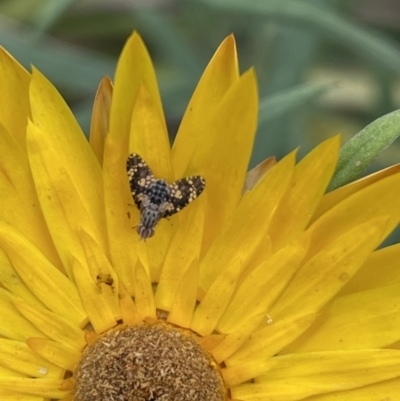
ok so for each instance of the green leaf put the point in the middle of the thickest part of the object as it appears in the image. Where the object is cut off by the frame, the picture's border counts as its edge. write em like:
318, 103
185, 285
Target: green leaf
49, 13
285, 101
378, 49
358, 153
173, 45
76, 68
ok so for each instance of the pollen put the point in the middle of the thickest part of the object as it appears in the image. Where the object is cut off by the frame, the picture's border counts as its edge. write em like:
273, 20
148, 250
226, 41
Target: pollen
148, 363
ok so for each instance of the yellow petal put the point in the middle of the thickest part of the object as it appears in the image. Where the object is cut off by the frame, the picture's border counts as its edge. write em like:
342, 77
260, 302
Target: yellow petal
17, 355
99, 266
241, 373
180, 255
56, 353
144, 298
220, 74
313, 286
14, 100
69, 397
310, 179
9, 279
134, 69
255, 210
57, 195
17, 188
49, 285
366, 319
157, 246
383, 199
101, 118
233, 122
262, 286
140, 248
346, 369
265, 343
6, 372
330, 199
57, 327
380, 269
58, 139
99, 312
120, 222
19, 397
297, 376
385, 391
134, 58
128, 309
46, 388
216, 299
51, 114
13, 325
149, 139
66, 209
148, 135
184, 302
234, 341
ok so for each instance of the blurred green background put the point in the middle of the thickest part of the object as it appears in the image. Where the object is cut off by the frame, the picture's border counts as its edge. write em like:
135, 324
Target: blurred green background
323, 66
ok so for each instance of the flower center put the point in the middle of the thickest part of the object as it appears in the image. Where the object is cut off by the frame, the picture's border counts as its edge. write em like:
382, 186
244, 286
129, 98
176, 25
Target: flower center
148, 363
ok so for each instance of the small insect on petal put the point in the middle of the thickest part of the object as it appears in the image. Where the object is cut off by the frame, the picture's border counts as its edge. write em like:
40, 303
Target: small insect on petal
104, 278
155, 198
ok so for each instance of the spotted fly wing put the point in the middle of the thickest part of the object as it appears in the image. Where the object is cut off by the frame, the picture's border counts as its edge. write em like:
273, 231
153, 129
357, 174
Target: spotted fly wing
140, 177
183, 192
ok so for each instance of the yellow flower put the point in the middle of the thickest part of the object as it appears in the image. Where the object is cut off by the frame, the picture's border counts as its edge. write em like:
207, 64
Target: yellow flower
261, 289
